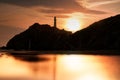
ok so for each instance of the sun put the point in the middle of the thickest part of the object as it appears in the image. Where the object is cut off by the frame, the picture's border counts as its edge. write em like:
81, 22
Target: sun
73, 24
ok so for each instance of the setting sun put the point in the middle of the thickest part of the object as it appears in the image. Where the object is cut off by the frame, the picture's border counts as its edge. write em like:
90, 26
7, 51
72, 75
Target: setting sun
73, 24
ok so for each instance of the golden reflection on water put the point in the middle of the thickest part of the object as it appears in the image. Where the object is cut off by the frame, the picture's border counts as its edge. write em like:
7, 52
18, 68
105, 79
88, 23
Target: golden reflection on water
88, 67
68, 67
81, 67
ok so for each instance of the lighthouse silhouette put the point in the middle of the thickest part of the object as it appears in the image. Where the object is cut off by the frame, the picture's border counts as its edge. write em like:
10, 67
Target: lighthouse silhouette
55, 22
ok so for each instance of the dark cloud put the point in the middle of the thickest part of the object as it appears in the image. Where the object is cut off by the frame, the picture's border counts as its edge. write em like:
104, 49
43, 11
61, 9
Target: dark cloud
55, 6
56, 11
45, 3
59, 16
95, 12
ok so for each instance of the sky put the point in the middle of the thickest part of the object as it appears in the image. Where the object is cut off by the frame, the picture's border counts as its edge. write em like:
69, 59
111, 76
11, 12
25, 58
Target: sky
18, 15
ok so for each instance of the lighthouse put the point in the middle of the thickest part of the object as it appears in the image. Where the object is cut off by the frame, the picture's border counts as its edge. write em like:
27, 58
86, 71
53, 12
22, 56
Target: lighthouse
55, 24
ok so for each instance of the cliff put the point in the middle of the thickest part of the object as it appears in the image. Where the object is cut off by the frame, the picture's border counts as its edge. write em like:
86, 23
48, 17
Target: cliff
101, 35
40, 37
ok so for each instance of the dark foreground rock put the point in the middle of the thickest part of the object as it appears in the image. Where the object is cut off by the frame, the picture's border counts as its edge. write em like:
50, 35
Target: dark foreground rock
40, 37
101, 35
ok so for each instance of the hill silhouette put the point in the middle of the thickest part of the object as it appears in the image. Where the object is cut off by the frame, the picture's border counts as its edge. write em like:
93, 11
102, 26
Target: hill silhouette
40, 37
101, 35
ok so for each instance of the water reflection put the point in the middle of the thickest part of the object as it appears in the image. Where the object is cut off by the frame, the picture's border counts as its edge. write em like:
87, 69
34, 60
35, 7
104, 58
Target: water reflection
30, 57
68, 67
89, 67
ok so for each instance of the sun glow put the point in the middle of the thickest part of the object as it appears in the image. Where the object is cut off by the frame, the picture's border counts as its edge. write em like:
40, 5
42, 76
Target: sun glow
73, 24
81, 67
72, 61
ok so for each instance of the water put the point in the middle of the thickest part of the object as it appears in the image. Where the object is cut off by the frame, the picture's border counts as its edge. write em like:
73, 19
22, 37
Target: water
34, 66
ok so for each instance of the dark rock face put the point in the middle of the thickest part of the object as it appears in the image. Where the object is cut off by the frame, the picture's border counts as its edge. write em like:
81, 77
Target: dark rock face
101, 35
40, 37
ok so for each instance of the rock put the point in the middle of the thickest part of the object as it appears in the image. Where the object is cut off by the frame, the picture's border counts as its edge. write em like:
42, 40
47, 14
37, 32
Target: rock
40, 37
101, 35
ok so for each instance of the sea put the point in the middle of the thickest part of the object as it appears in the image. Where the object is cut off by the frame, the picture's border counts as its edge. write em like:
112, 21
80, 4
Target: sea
59, 65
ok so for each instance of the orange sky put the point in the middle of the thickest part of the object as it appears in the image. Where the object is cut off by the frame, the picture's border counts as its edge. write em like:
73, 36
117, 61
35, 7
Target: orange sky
18, 15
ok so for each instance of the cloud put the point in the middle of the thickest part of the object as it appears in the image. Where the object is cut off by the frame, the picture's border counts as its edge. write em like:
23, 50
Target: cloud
64, 11
55, 6
110, 6
45, 3
55, 11
59, 16
102, 2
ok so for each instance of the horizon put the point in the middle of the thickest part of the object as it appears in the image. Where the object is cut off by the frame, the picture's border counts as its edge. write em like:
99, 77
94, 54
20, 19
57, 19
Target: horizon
16, 16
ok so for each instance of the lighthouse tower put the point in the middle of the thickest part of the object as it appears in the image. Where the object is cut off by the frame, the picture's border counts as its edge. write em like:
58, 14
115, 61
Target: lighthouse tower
55, 22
